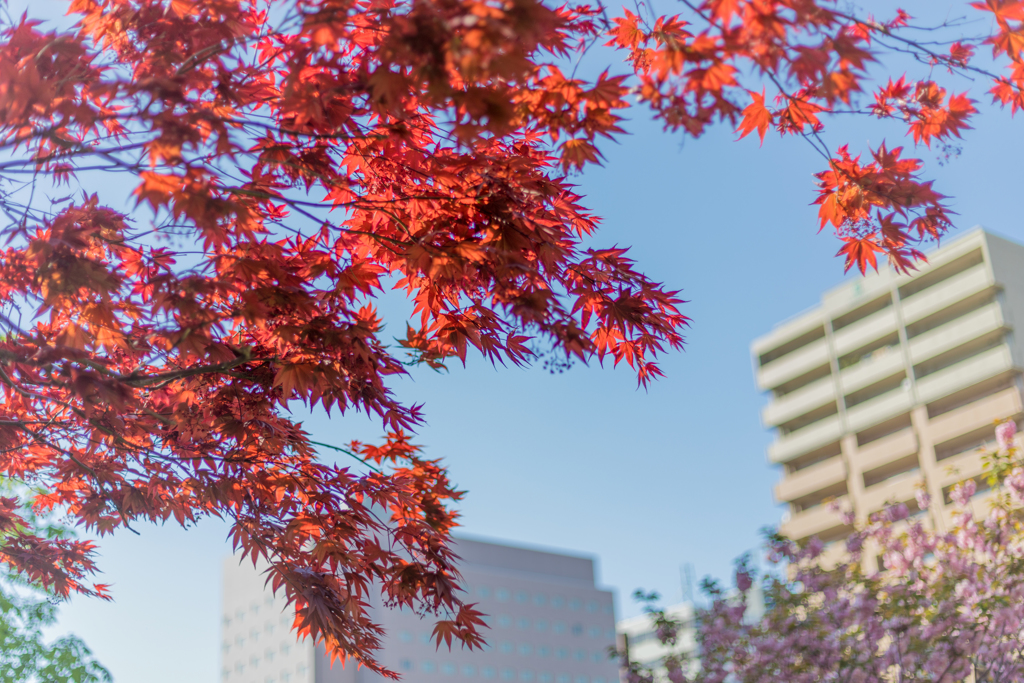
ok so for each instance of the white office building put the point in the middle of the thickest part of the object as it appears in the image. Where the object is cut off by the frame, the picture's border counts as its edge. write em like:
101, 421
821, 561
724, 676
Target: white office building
549, 623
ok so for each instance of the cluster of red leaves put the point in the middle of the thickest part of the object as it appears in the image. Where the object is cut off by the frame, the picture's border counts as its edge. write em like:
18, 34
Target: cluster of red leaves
815, 55
304, 154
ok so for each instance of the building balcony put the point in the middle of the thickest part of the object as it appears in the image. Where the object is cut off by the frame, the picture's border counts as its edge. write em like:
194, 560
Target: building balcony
871, 370
792, 365
974, 415
810, 479
815, 521
801, 441
961, 467
865, 331
878, 409
900, 489
800, 402
975, 369
987, 319
884, 450
960, 286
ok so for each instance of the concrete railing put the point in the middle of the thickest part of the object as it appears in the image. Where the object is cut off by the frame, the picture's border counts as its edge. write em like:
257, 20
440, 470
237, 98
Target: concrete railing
869, 371
810, 479
886, 449
792, 365
937, 297
797, 443
878, 409
965, 373
956, 332
814, 521
865, 331
800, 402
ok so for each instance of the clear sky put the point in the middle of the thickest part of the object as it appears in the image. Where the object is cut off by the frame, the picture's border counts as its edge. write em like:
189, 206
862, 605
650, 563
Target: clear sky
583, 461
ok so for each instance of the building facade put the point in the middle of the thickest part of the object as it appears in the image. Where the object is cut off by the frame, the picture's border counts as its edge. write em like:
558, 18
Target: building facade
548, 623
892, 384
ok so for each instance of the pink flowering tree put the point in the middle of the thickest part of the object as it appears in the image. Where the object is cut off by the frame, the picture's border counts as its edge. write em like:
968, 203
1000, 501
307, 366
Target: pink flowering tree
943, 607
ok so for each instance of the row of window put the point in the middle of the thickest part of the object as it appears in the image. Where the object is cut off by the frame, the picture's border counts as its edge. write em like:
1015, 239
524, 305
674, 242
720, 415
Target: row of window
283, 675
539, 599
505, 674
268, 660
558, 628
253, 611
285, 648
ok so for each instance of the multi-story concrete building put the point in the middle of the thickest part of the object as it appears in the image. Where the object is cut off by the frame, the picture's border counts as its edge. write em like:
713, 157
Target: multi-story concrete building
549, 623
893, 382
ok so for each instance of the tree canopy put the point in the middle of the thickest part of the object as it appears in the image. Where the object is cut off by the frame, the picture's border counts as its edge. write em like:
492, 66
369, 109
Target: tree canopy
292, 158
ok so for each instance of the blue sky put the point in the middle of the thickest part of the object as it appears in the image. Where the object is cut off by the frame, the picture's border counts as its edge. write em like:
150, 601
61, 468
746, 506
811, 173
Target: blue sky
583, 461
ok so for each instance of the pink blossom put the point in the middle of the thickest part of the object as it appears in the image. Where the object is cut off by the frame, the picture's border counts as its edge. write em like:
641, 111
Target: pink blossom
924, 500
1004, 435
962, 493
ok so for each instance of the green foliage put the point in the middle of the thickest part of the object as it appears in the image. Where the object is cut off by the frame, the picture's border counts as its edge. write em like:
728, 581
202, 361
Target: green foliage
25, 657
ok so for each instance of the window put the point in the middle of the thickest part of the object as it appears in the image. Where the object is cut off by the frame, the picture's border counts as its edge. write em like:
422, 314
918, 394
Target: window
254, 635
405, 636
507, 648
425, 638
597, 657
225, 674
239, 667
545, 677
581, 679
522, 598
225, 647
574, 604
239, 641
428, 667
405, 665
239, 614
610, 634
525, 649
255, 609
524, 624
227, 621
564, 678
592, 606
526, 675
581, 655
508, 675
540, 599
557, 601
269, 628
448, 669
285, 676
269, 599
469, 671
562, 653
543, 651
300, 669
487, 672
541, 625
607, 609
598, 680
595, 631
501, 594
559, 627
285, 648
577, 629
504, 620
268, 655
484, 592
